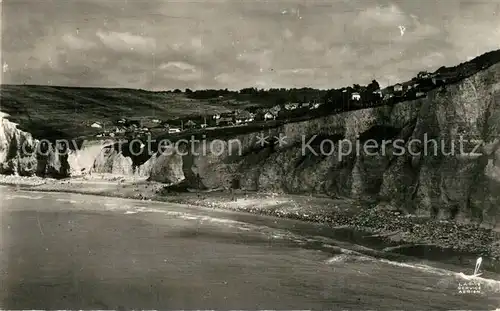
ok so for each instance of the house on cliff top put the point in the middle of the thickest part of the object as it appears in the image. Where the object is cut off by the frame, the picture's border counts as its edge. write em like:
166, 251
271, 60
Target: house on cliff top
398, 88
96, 125
269, 116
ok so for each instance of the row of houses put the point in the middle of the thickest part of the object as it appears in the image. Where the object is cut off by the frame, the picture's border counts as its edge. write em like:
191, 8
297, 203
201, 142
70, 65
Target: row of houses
124, 125
262, 114
419, 85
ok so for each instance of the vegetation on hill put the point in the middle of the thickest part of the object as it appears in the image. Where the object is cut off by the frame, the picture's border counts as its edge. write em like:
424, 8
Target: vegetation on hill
67, 112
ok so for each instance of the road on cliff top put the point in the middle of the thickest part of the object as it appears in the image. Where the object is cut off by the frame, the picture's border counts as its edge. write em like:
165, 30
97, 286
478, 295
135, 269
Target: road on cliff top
72, 251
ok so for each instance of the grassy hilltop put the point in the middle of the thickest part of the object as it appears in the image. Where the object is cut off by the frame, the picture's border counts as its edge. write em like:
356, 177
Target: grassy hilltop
67, 112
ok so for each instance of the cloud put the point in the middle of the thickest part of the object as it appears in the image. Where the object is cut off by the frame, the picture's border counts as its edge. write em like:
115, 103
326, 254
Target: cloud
180, 70
122, 41
235, 44
378, 15
178, 66
75, 42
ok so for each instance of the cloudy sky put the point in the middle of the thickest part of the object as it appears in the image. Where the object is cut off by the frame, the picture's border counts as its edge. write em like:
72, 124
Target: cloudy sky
160, 44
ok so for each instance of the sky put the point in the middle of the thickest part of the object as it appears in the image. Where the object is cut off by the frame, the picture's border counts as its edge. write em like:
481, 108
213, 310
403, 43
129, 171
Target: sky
161, 45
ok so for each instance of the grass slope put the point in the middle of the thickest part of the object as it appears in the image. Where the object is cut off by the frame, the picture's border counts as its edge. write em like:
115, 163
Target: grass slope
66, 112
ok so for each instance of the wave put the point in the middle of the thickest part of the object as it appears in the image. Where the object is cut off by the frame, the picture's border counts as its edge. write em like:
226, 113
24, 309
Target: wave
492, 284
349, 256
67, 201
346, 258
19, 196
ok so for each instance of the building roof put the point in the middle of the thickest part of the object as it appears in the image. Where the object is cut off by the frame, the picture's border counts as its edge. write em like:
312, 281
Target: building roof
243, 114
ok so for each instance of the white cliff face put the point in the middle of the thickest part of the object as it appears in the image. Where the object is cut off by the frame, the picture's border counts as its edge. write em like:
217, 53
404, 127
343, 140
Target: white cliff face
82, 159
21, 154
111, 161
17, 149
163, 167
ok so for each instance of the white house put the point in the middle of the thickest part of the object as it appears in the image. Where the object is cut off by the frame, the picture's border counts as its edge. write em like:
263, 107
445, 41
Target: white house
291, 106
216, 116
224, 120
174, 130
314, 106
96, 125
269, 116
420, 94
388, 95
398, 87
156, 121
355, 96
275, 110
439, 79
378, 93
190, 123
424, 75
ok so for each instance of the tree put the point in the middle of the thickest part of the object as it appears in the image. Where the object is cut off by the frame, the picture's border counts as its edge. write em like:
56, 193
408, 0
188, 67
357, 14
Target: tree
188, 91
250, 90
177, 91
373, 86
293, 97
280, 101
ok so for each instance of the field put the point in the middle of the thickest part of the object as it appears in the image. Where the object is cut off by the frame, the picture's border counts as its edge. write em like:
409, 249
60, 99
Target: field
67, 112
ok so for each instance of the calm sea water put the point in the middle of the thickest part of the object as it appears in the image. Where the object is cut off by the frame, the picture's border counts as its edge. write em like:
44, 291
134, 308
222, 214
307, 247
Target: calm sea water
67, 251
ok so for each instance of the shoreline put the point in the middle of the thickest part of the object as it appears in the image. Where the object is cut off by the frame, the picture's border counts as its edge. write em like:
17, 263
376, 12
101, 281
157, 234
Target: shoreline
381, 226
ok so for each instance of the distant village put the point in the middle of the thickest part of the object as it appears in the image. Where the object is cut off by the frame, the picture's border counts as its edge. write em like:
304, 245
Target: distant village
334, 101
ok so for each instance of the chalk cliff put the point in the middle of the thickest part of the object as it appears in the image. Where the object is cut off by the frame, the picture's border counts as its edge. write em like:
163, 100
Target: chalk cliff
447, 178
21, 154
